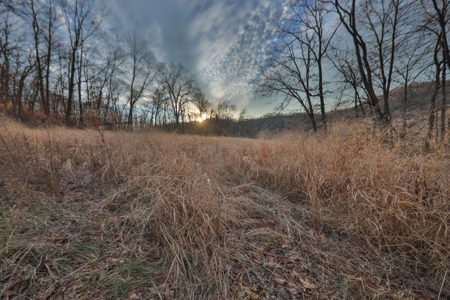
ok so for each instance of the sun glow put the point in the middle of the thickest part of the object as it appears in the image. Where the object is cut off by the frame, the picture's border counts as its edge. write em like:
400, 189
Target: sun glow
202, 118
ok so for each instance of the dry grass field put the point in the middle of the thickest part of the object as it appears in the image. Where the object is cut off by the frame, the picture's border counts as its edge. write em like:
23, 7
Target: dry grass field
88, 214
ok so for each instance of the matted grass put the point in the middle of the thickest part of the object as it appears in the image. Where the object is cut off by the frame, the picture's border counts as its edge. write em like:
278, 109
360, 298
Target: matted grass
146, 215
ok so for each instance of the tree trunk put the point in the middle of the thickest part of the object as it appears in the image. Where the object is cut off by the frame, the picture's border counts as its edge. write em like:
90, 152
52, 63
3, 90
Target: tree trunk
322, 96
20, 94
48, 60
444, 100
130, 116
71, 87
432, 109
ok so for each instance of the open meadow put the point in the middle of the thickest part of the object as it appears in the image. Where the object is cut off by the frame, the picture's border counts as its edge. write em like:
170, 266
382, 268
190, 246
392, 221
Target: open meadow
92, 214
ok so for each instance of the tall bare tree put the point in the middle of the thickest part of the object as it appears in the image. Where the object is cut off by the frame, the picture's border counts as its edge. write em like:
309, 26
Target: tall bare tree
412, 62
437, 84
296, 70
82, 20
113, 61
43, 19
180, 86
438, 17
313, 22
374, 23
7, 49
143, 69
288, 74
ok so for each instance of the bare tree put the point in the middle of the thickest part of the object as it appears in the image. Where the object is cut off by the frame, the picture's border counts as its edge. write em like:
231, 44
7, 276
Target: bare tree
5, 58
113, 61
412, 62
8, 50
344, 62
438, 17
225, 110
180, 86
432, 108
82, 20
378, 26
23, 67
200, 101
116, 89
50, 20
160, 102
313, 22
288, 74
143, 69
92, 73
43, 18
295, 70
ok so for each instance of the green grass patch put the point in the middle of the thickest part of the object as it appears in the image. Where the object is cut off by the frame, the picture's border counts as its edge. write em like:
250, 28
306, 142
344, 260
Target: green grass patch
129, 275
85, 251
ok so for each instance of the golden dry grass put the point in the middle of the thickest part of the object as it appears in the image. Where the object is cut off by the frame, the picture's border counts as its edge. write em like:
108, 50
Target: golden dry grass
147, 215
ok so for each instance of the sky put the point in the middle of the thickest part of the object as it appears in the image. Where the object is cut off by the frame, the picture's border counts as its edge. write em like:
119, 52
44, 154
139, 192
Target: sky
221, 42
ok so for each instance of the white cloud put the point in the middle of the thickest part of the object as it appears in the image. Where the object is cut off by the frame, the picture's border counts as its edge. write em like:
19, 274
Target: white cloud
222, 42
233, 47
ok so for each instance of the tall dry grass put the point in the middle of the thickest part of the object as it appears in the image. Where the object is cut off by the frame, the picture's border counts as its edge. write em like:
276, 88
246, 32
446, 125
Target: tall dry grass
335, 216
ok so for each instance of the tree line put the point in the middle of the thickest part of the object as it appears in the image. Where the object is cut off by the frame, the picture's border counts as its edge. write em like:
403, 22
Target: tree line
57, 61
359, 51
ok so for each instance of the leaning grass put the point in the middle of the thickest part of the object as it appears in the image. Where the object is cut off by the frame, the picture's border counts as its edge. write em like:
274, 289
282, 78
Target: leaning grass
108, 215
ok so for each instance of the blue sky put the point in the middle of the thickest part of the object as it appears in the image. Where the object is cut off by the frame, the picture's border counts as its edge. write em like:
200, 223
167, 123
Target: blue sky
222, 42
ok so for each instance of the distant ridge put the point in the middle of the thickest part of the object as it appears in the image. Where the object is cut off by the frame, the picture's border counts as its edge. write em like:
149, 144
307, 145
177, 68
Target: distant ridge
417, 104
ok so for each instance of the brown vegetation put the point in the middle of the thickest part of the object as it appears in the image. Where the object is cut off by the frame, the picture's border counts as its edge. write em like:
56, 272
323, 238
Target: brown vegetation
146, 215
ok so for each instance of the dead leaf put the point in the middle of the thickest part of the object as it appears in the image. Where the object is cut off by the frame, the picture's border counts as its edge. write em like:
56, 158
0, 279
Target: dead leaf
133, 297
75, 286
279, 280
246, 290
292, 291
307, 285
252, 295
256, 261
271, 265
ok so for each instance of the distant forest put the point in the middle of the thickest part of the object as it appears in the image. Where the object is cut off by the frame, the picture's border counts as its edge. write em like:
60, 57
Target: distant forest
58, 62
